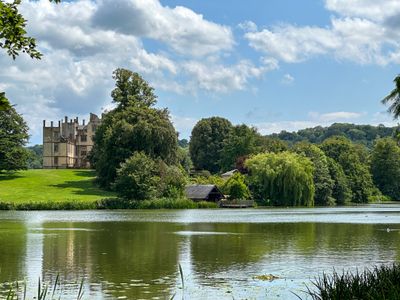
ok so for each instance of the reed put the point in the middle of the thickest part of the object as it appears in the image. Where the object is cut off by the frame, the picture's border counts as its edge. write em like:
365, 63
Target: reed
382, 282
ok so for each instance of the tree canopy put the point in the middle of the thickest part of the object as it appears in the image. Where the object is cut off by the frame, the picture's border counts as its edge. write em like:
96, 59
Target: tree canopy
207, 142
134, 125
352, 159
13, 137
393, 98
362, 134
385, 166
284, 179
322, 179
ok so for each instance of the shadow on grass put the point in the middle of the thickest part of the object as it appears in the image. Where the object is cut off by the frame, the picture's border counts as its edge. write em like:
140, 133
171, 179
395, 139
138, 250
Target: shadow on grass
9, 176
85, 173
83, 187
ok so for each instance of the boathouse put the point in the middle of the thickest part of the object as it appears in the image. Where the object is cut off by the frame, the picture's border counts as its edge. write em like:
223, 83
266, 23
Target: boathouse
203, 192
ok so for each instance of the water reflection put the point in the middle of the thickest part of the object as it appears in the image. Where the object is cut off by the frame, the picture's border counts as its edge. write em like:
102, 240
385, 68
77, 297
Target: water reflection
139, 259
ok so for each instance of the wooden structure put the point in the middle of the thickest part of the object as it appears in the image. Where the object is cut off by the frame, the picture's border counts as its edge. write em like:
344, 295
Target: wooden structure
236, 203
203, 192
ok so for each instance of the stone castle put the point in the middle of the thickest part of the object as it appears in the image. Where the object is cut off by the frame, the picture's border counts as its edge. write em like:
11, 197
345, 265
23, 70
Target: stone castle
68, 144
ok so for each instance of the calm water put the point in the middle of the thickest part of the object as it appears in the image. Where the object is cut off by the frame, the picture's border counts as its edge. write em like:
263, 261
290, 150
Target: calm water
135, 254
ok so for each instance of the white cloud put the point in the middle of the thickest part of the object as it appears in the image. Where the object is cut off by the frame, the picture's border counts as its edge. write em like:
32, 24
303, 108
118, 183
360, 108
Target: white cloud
335, 116
371, 9
248, 26
364, 32
287, 79
84, 41
180, 28
183, 125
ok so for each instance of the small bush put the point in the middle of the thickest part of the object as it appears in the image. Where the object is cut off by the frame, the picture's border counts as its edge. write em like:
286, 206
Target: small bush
236, 188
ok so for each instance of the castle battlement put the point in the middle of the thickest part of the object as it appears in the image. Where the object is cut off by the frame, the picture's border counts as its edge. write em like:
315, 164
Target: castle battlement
67, 145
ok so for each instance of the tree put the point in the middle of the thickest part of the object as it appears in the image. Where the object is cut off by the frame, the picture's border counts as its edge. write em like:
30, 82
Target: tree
385, 166
207, 142
340, 191
242, 141
394, 98
137, 178
352, 159
140, 177
236, 187
133, 126
322, 179
13, 37
35, 159
13, 137
284, 178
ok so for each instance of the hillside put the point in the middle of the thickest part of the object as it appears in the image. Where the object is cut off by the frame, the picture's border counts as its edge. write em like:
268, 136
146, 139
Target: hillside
364, 134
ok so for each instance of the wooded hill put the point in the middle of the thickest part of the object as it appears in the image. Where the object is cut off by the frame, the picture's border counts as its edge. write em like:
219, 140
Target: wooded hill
363, 134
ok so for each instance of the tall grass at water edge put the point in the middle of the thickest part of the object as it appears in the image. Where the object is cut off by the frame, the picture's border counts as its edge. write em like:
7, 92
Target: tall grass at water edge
379, 283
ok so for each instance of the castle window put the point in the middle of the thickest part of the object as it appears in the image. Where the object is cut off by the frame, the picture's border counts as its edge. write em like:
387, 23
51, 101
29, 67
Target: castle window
56, 135
55, 147
56, 160
83, 138
83, 153
94, 128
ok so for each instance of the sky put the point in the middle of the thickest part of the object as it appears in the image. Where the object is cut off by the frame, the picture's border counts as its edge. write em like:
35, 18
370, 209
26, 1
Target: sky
276, 64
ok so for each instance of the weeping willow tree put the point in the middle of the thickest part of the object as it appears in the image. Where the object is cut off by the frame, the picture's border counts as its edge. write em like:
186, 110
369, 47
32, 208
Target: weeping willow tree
284, 179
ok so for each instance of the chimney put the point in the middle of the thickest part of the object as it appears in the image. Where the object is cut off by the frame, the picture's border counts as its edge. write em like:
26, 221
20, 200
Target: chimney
76, 120
44, 123
83, 122
51, 124
66, 119
59, 124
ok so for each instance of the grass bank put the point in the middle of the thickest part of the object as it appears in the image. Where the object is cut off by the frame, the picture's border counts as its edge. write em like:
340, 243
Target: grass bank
382, 282
68, 189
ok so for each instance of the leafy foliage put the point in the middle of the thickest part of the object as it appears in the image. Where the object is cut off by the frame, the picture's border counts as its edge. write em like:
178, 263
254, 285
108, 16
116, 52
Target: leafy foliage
140, 178
340, 191
137, 178
35, 159
362, 134
13, 137
132, 126
394, 98
385, 167
236, 187
207, 143
242, 141
322, 178
284, 178
352, 159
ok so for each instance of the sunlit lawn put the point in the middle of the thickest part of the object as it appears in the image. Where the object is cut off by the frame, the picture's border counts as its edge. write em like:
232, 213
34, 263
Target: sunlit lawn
50, 185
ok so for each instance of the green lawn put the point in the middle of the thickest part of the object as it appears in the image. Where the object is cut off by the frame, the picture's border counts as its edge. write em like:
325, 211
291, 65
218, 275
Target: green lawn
62, 185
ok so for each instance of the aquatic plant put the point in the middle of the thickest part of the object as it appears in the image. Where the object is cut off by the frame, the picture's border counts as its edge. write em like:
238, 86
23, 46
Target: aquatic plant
382, 282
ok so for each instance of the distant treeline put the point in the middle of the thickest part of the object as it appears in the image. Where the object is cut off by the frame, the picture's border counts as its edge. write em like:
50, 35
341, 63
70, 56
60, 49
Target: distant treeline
363, 134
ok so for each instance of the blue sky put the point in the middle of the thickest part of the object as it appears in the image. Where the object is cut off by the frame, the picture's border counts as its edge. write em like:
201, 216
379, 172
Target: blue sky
275, 65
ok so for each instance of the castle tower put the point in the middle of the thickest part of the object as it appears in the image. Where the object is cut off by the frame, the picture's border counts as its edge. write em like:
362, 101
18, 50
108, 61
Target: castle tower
68, 144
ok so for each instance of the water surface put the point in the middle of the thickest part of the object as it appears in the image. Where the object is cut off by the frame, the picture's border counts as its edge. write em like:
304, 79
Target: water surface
135, 254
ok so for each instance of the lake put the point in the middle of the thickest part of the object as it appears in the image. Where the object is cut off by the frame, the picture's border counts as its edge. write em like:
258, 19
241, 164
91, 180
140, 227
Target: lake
136, 254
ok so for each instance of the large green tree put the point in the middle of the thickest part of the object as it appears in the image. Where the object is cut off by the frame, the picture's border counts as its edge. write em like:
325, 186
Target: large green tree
385, 166
394, 98
13, 137
207, 142
134, 125
284, 179
352, 158
242, 141
322, 178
